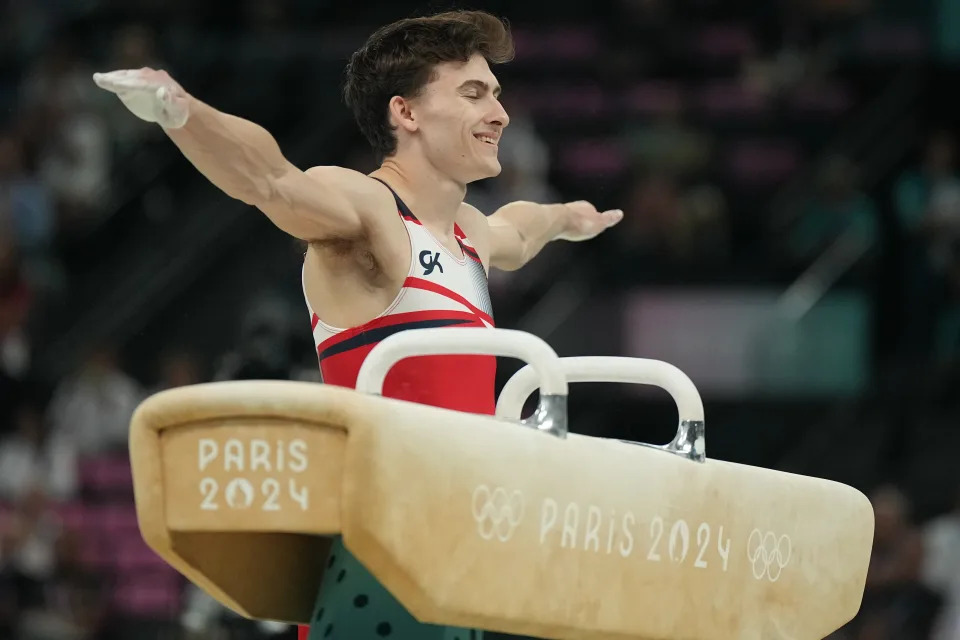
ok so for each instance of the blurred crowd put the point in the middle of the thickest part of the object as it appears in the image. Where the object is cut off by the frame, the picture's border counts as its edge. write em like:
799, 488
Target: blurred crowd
693, 127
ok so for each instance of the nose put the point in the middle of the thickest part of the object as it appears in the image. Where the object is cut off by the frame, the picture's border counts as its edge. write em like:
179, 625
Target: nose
498, 115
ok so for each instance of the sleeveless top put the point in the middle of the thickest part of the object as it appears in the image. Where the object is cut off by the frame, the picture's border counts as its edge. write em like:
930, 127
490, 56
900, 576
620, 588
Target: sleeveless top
441, 290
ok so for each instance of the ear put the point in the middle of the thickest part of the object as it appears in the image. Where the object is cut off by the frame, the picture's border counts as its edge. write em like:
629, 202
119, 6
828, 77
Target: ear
401, 114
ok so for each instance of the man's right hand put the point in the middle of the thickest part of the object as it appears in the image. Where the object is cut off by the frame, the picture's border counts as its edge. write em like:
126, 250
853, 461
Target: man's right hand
244, 161
149, 94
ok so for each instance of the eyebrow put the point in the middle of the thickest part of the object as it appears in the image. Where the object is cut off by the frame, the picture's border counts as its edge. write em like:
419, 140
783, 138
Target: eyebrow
481, 86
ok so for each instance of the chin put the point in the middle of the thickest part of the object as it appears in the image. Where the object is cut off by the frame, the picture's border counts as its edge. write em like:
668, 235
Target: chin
492, 169
488, 168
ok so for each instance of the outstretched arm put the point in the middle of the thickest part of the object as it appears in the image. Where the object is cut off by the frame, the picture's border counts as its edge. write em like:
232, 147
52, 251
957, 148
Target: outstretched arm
242, 159
519, 231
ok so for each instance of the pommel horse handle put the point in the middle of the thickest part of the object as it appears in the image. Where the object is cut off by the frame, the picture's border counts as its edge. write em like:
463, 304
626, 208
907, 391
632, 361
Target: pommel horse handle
543, 364
690, 441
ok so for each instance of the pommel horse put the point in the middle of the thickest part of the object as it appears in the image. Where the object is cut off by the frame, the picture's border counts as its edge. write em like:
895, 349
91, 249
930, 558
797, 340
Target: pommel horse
510, 525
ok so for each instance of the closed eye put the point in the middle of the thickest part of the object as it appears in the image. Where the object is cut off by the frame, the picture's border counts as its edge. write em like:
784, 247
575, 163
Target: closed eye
476, 89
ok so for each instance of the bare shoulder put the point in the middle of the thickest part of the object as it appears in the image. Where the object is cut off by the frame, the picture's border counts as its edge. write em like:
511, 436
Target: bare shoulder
364, 191
475, 226
472, 221
382, 247
373, 202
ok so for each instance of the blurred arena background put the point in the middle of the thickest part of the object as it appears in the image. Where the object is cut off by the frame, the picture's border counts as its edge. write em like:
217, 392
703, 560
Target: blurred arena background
788, 174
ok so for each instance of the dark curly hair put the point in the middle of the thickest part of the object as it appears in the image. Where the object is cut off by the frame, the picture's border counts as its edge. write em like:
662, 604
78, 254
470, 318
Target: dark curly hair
399, 59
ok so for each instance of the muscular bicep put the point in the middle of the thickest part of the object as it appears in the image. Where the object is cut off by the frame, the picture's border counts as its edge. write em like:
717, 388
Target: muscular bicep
507, 249
497, 242
320, 203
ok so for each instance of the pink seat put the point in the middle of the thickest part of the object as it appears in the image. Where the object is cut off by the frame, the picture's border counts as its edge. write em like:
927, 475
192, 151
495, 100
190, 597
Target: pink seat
132, 556
6, 516
89, 472
114, 521
573, 43
148, 596
95, 552
892, 40
763, 163
106, 474
522, 98
724, 41
827, 100
731, 98
654, 97
566, 102
74, 516
593, 158
117, 474
565, 43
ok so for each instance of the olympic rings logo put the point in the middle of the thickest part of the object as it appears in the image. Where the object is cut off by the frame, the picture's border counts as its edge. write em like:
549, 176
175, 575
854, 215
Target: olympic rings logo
768, 555
496, 512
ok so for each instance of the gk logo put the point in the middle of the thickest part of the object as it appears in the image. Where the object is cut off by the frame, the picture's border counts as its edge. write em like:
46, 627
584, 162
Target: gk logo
430, 262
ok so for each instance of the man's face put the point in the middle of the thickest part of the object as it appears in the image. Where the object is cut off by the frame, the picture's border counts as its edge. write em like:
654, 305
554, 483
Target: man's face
460, 120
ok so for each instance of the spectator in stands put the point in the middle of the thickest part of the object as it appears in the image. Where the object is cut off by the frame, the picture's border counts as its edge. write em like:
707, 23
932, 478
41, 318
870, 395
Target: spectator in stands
15, 301
92, 408
667, 226
264, 350
928, 198
941, 569
178, 368
702, 235
33, 459
14, 346
651, 22
8, 601
946, 30
133, 47
264, 16
927, 201
27, 210
28, 547
896, 604
670, 144
839, 208
60, 108
652, 205
74, 601
203, 617
525, 167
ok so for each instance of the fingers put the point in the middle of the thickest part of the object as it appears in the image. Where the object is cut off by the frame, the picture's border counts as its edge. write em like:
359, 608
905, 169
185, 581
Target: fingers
612, 217
112, 81
124, 80
102, 80
107, 79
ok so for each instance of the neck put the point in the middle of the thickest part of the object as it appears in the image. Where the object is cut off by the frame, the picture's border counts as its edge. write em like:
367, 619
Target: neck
432, 195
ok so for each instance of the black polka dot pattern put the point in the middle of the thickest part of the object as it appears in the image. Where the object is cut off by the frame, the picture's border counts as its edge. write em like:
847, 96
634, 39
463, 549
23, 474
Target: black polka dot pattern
360, 609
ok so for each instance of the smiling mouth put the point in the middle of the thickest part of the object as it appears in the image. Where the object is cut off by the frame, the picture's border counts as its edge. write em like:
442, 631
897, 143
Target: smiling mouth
490, 140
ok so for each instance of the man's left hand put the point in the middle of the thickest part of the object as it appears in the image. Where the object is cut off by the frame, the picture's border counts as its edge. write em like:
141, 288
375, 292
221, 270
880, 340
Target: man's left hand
585, 222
